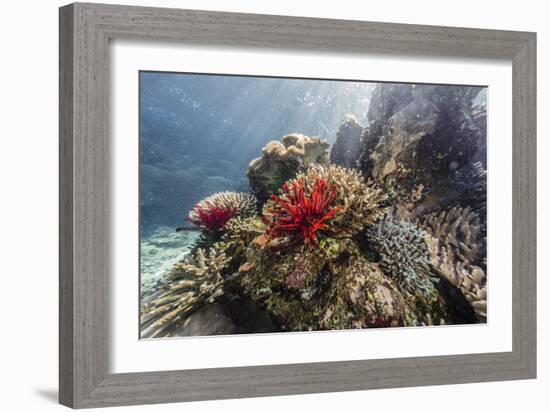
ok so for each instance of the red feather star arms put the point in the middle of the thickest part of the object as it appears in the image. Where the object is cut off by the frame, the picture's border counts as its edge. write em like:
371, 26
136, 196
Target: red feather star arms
300, 214
212, 213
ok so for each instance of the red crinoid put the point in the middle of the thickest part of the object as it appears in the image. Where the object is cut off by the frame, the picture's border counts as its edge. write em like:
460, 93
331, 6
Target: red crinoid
211, 218
212, 213
299, 214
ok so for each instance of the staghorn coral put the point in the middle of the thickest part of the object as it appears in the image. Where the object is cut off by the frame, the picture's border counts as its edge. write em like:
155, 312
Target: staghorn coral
212, 213
187, 287
403, 254
281, 161
457, 248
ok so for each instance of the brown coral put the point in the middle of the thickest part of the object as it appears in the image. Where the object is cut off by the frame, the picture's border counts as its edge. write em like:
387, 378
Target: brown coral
457, 253
188, 286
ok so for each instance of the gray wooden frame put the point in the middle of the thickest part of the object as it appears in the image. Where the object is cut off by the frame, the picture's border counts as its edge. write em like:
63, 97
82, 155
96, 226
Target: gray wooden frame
85, 31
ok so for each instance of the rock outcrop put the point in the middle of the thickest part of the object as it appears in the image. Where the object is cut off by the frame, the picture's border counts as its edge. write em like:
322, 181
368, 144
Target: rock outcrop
282, 160
345, 150
422, 136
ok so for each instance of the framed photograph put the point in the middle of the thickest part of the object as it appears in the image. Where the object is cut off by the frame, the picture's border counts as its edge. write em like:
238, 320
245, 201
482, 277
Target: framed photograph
256, 205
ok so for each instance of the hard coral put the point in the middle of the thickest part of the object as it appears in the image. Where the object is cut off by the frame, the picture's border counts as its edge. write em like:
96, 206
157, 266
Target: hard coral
458, 250
331, 202
212, 213
403, 253
188, 286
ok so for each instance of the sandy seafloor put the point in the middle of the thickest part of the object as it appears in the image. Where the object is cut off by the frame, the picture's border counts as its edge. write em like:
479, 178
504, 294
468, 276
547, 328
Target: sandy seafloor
159, 250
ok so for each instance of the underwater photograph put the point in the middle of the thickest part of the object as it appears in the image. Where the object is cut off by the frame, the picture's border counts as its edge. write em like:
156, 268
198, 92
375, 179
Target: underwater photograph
273, 205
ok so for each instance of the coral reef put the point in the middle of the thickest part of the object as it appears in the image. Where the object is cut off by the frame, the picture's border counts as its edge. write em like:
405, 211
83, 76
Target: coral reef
187, 287
212, 213
457, 248
332, 202
345, 150
402, 131
403, 254
282, 160
314, 290
301, 214
469, 189
422, 135
390, 232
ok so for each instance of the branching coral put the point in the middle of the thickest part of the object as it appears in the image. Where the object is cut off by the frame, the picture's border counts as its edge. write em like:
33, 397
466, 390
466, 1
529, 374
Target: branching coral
461, 229
199, 279
403, 254
320, 255
212, 213
458, 254
188, 287
331, 202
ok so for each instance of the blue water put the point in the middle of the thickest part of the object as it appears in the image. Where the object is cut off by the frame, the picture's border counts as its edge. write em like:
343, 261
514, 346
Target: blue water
198, 133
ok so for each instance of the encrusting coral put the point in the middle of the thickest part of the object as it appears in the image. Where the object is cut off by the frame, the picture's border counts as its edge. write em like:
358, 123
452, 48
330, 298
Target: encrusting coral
424, 135
282, 160
215, 211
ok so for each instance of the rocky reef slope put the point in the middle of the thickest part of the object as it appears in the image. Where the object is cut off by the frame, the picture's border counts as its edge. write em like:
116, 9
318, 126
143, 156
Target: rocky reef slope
386, 230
